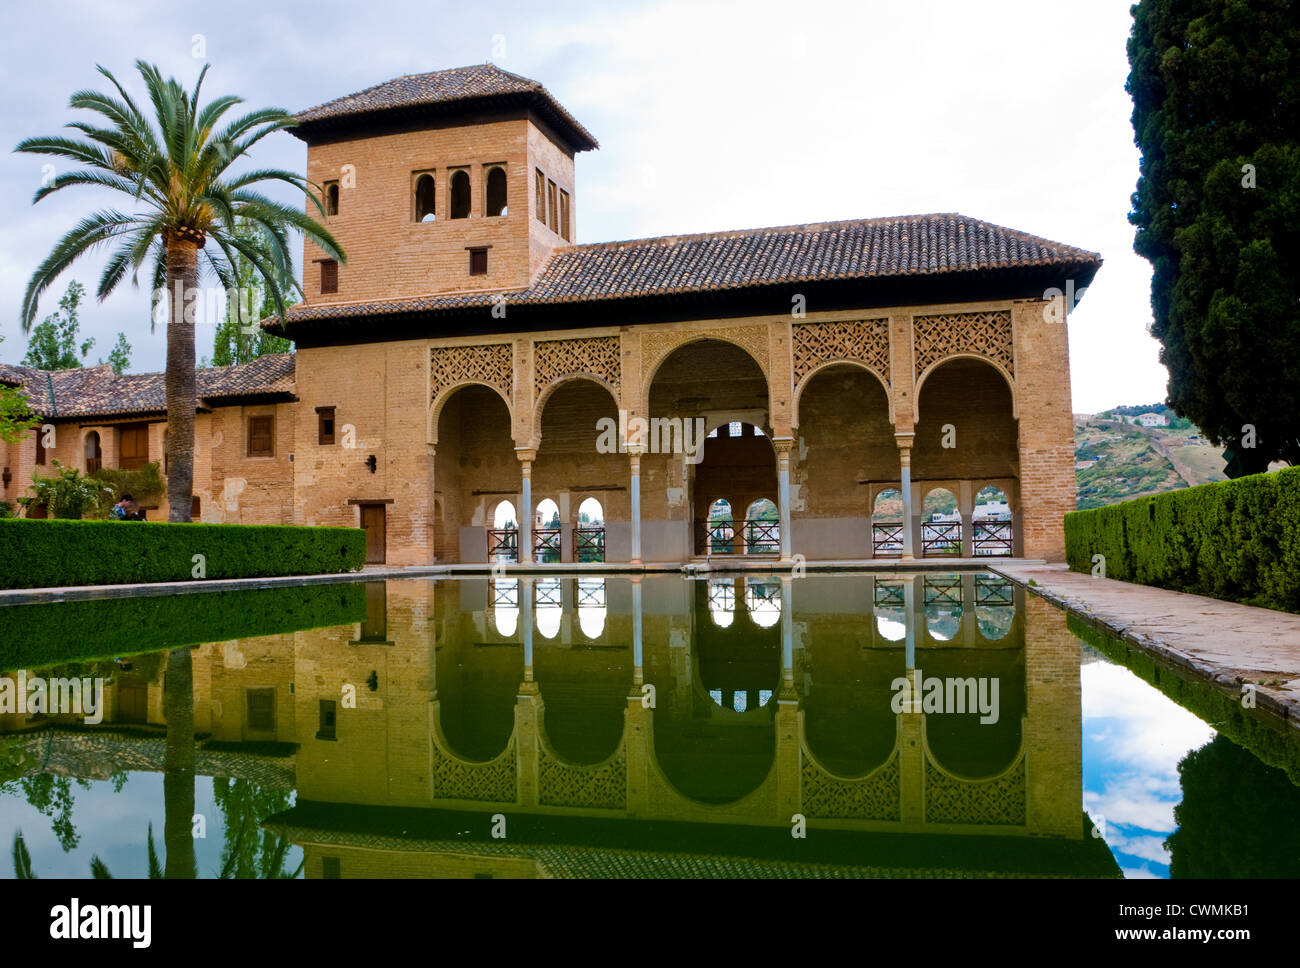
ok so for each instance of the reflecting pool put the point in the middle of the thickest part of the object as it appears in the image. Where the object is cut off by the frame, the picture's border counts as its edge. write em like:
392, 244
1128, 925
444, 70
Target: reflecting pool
572, 726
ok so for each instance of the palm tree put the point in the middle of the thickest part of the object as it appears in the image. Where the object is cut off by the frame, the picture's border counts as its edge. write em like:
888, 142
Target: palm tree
183, 195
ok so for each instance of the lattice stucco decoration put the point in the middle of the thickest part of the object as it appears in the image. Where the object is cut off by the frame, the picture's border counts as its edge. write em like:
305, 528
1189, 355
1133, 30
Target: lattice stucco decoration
863, 341
875, 797
987, 334
493, 782
492, 364
554, 359
997, 802
604, 786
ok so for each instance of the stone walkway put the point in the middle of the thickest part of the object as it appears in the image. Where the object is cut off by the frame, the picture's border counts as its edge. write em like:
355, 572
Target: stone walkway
1229, 644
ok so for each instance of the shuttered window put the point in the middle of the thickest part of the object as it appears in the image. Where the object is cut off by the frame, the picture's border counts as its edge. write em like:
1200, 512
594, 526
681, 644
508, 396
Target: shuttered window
259, 437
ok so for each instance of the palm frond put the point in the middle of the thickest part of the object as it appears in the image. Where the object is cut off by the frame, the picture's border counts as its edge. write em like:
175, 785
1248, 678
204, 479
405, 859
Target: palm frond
99, 870
22, 859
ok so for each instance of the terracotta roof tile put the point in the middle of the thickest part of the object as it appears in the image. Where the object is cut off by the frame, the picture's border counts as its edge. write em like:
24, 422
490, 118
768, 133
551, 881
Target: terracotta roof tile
468, 88
98, 392
867, 249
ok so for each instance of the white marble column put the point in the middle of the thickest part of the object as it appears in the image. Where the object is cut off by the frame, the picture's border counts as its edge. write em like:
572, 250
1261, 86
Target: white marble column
526, 458
634, 457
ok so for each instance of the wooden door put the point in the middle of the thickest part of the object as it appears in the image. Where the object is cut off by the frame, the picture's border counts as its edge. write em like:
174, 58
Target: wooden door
373, 520
132, 702
133, 446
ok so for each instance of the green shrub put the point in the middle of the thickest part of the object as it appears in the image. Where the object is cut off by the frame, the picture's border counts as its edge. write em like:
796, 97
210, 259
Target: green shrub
67, 494
40, 554
1237, 540
53, 633
145, 484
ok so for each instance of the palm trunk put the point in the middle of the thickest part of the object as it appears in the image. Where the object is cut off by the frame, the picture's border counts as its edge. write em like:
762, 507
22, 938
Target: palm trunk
178, 765
182, 291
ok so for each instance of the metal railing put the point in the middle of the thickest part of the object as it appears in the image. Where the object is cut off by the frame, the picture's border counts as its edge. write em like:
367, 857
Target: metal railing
546, 545
757, 536
503, 544
993, 538
941, 538
887, 539
589, 543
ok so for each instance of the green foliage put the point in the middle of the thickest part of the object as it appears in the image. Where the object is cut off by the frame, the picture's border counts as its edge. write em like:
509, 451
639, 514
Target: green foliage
249, 850
239, 338
16, 414
175, 171
52, 634
1216, 115
1236, 540
119, 357
68, 494
53, 341
37, 554
1236, 818
145, 484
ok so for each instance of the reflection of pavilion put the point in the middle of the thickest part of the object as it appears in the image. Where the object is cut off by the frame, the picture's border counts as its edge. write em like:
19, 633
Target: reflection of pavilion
737, 701
724, 706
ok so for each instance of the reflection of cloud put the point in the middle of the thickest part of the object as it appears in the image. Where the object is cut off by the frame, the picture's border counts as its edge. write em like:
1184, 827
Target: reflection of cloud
1153, 732
1145, 846
1139, 873
1136, 800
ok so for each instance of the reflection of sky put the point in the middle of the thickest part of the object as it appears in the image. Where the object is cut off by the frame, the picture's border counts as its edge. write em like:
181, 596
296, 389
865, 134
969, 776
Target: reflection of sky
1133, 738
114, 826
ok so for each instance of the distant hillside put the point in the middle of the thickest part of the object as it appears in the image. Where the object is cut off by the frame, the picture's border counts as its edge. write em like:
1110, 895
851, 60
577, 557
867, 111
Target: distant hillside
1115, 461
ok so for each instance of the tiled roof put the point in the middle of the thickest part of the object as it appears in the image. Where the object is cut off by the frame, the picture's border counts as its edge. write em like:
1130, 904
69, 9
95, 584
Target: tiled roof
99, 392
912, 245
462, 88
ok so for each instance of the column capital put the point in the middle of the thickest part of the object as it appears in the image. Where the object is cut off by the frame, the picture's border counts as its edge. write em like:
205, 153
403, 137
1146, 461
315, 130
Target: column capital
904, 439
528, 454
784, 446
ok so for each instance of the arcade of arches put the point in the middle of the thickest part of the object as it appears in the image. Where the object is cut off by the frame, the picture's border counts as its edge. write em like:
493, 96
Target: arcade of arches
835, 438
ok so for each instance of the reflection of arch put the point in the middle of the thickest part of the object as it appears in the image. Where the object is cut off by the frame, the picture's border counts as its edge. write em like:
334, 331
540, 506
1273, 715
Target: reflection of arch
584, 692
763, 601
548, 612
855, 364
1007, 377
958, 742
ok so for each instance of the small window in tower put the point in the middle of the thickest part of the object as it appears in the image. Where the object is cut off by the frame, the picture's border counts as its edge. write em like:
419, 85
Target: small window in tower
550, 207
478, 262
331, 198
496, 191
329, 276
324, 425
326, 721
564, 215
460, 194
540, 180
425, 194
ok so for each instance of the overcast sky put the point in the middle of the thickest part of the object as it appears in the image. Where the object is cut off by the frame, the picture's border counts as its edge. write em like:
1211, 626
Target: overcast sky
711, 116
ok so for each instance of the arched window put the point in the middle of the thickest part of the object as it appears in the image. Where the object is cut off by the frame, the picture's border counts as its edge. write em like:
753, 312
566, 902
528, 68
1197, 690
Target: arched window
94, 455
721, 529
546, 531
762, 528
991, 528
940, 523
331, 198
589, 536
496, 191
503, 536
424, 199
460, 194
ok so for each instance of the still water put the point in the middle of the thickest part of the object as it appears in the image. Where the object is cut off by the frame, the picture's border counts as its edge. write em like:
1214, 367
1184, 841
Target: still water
826, 726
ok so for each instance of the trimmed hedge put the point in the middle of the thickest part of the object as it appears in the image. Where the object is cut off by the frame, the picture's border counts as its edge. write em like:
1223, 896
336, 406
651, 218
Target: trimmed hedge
1236, 540
44, 554
54, 633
